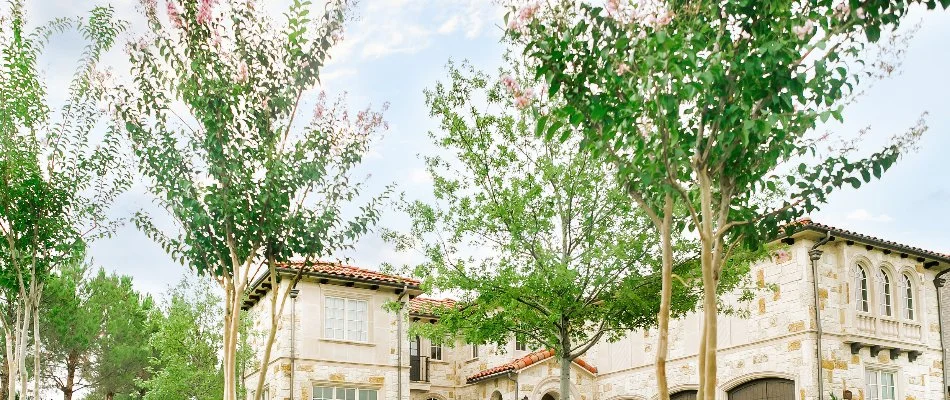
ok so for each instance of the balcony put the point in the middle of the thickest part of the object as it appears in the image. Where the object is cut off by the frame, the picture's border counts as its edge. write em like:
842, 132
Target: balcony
419, 369
886, 327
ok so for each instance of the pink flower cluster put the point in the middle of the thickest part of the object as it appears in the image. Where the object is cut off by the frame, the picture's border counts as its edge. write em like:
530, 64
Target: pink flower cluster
204, 11
802, 31
781, 256
523, 97
653, 14
173, 14
242, 72
524, 17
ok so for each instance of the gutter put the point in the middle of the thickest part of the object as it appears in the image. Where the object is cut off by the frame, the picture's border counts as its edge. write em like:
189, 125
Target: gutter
399, 339
293, 341
814, 254
939, 284
515, 380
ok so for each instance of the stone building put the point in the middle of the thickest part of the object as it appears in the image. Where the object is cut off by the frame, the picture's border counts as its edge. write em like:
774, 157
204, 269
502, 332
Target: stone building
877, 302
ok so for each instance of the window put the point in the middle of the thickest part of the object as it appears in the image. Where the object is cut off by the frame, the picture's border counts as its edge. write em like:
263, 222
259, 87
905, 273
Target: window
861, 289
520, 345
474, 351
265, 395
885, 294
435, 351
908, 289
341, 393
346, 319
881, 385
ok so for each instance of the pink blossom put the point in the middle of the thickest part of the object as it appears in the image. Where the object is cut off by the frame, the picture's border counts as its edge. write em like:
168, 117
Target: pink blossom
522, 101
804, 30
613, 7
623, 69
216, 38
524, 17
781, 256
173, 14
842, 10
204, 11
242, 72
510, 83
860, 12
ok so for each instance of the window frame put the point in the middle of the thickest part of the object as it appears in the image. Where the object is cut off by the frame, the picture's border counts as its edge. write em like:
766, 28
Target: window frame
878, 386
886, 298
335, 390
520, 345
862, 290
474, 351
363, 334
909, 304
432, 351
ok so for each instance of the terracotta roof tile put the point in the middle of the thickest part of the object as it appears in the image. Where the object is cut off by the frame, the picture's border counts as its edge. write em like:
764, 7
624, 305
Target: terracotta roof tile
427, 306
807, 223
341, 270
522, 363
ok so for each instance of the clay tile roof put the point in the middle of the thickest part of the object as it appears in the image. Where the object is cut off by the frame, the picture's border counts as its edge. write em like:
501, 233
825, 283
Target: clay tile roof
522, 363
427, 306
807, 223
340, 270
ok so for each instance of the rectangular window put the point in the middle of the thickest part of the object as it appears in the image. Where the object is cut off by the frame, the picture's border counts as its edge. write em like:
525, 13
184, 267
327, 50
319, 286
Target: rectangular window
346, 319
474, 351
266, 394
520, 345
343, 393
881, 385
435, 351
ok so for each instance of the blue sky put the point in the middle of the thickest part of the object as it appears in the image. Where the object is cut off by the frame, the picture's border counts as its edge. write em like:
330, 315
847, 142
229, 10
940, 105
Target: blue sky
396, 48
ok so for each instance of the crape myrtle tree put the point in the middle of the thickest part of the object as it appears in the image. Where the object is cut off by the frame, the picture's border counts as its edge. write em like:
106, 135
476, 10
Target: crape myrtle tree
56, 181
713, 102
214, 116
538, 240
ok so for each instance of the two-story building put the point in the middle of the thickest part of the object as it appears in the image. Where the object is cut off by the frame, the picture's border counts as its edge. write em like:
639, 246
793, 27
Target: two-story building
872, 306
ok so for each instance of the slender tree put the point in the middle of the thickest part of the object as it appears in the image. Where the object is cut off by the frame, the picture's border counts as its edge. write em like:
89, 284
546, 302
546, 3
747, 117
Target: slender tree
55, 182
186, 364
72, 326
711, 102
214, 119
537, 239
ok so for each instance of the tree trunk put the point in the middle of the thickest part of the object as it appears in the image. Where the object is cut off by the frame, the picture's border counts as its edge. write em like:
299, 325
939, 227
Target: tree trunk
666, 294
71, 361
565, 379
36, 345
110, 396
232, 315
707, 373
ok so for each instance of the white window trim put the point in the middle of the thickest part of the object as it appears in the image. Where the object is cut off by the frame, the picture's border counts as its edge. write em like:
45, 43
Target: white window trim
475, 352
858, 298
337, 385
346, 298
441, 351
886, 369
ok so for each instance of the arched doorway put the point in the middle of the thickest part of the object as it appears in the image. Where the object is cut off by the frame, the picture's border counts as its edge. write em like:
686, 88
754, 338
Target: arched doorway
496, 395
550, 396
764, 389
684, 395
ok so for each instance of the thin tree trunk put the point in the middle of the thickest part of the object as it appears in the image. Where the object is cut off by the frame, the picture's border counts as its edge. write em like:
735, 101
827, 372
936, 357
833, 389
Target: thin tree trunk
71, 362
10, 362
231, 320
666, 294
37, 343
110, 396
707, 373
565, 378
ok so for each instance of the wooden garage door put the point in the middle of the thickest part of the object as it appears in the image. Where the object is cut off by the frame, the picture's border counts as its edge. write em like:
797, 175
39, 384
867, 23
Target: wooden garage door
684, 395
764, 389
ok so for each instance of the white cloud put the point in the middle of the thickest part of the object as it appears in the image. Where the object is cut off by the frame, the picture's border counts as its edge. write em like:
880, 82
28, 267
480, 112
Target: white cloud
450, 25
864, 215
419, 176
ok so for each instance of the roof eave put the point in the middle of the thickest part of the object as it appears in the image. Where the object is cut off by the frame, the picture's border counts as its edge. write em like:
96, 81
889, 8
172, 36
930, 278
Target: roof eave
944, 261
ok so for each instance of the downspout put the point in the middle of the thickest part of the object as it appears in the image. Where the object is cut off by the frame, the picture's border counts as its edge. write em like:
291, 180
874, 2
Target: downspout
293, 338
515, 379
939, 283
814, 255
399, 339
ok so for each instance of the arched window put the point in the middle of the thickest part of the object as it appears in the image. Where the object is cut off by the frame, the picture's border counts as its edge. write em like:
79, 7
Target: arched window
861, 289
908, 292
886, 308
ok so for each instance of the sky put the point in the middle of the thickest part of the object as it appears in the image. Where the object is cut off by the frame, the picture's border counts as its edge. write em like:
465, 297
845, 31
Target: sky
394, 49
